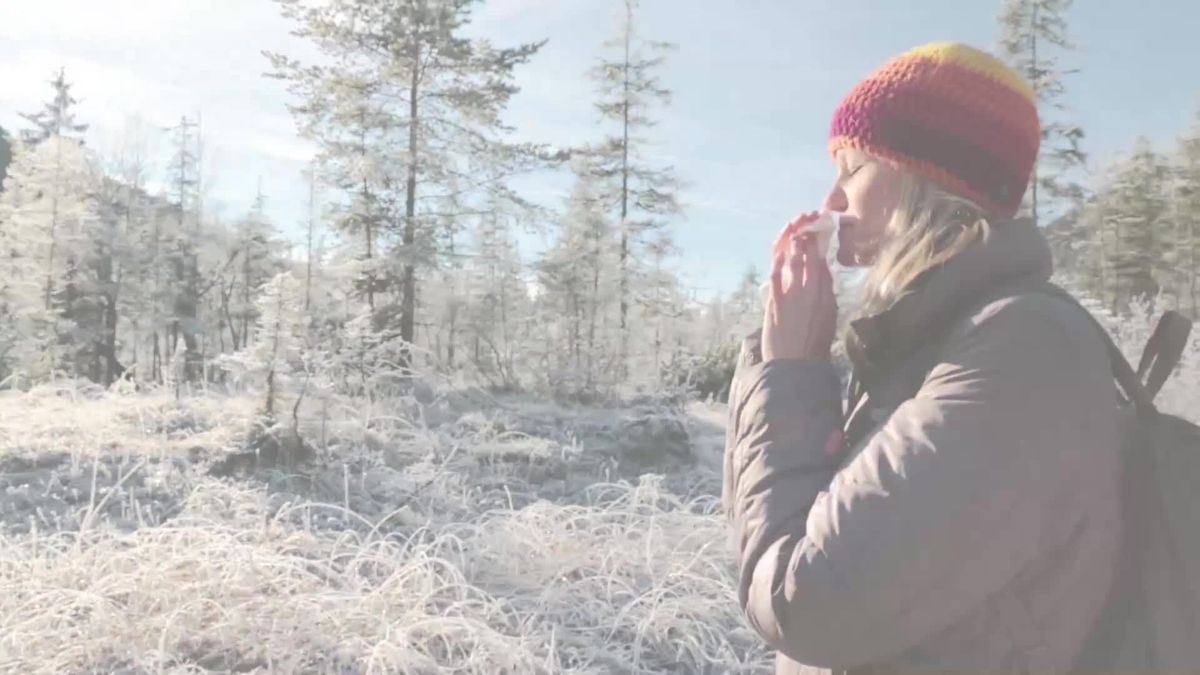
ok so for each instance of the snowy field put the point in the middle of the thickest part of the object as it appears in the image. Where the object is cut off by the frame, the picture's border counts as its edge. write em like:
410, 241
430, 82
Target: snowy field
492, 536
448, 531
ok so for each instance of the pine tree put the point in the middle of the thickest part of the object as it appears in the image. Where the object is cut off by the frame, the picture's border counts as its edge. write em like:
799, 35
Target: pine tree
279, 348
183, 252
1186, 212
578, 281
111, 252
640, 195
124, 266
1134, 232
418, 161
255, 248
1031, 31
659, 305
447, 302
498, 308
49, 217
311, 244
156, 242
56, 117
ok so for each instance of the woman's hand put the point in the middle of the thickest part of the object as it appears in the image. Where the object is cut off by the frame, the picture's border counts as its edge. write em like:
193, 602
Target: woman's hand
800, 320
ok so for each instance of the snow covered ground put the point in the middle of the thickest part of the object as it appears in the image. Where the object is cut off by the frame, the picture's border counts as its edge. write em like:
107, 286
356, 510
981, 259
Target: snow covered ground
450, 531
495, 536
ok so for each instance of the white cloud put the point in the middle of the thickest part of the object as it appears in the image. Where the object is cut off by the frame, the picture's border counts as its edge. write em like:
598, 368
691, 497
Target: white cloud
88, 19
501, 10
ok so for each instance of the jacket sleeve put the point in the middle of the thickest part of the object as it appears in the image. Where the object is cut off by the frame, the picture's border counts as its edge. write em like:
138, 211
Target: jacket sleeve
942, 507
783, 415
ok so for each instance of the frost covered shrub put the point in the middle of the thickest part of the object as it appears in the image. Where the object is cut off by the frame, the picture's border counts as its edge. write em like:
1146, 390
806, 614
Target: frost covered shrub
278, 350
705, 375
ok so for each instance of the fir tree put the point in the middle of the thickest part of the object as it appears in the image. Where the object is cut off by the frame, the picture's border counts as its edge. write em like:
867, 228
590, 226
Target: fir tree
1032, 35
639, 194
48, 218
1134, 236
1186, 216
56, 118
411, 105
278, 348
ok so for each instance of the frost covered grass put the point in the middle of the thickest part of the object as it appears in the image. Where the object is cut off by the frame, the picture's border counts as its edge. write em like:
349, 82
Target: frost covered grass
632, 581
479, 544
85, 420
453, 534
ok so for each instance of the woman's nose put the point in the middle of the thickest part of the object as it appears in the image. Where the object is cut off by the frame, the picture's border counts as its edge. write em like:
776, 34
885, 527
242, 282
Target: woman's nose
835, 200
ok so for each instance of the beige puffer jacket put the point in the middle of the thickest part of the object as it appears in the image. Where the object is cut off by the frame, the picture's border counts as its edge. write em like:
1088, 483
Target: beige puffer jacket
971, 527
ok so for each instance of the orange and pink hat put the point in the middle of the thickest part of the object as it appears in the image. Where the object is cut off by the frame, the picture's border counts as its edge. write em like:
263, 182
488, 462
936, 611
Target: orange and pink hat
952, 113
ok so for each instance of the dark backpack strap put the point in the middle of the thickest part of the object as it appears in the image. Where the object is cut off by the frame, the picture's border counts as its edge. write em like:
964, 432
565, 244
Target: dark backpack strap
1163, 350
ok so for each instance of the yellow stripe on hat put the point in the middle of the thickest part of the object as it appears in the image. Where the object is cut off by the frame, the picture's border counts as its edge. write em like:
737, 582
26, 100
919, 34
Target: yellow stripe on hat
976, 60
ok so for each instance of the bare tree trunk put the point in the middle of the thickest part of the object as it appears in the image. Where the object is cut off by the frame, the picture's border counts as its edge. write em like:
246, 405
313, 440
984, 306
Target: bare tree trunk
409, 306
368, 219
226, 296
155, 359
593, 310
624, 341
108, 343
452, 331
507, 364
156, 264
53, 221
312, 189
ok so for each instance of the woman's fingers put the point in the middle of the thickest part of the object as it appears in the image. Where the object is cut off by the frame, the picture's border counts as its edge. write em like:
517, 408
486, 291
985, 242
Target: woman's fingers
776, 284
802, 251
781, 240
800, 260
793, 227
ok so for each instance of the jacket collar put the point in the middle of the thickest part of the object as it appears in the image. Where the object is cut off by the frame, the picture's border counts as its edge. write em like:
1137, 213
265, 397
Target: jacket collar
1015, 251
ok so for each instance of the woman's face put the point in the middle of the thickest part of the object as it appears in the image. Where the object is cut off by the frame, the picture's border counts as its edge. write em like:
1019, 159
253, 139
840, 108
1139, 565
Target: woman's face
866, 193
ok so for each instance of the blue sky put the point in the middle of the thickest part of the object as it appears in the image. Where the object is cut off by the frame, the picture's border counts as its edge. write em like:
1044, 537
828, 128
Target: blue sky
754, 85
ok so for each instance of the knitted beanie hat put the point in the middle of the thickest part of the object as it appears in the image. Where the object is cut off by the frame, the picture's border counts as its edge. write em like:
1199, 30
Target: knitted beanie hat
953, 114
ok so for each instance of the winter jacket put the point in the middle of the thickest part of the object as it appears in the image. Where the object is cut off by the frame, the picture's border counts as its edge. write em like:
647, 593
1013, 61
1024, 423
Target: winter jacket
970, 527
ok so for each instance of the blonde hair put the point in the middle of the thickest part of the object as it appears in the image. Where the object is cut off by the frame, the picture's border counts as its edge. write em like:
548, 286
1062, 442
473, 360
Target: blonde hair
928, 227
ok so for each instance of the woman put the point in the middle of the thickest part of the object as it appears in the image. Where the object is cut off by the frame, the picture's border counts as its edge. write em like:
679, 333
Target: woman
963, 517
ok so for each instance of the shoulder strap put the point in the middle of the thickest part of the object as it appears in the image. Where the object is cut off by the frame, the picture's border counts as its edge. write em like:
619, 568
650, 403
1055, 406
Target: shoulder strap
1163, 350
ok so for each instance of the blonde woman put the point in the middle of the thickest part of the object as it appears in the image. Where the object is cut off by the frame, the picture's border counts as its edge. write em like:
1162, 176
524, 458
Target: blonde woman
963, 514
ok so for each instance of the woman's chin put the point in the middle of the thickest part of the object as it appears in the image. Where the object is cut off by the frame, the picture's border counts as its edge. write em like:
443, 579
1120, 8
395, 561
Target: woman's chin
846, 257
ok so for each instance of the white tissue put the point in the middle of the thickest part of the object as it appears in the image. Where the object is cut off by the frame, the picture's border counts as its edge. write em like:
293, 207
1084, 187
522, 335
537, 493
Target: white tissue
824, 227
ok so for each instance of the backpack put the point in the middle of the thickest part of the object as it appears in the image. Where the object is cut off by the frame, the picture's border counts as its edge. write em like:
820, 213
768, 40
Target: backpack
1151, 620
